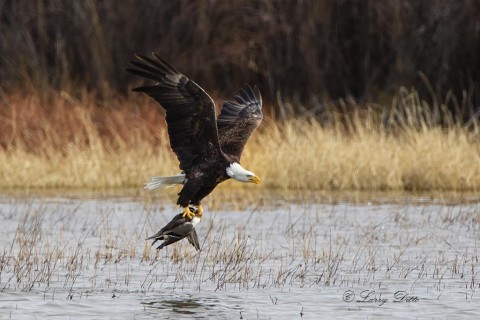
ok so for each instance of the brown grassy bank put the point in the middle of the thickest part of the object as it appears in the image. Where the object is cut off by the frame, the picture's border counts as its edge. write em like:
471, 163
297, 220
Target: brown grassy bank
69, 143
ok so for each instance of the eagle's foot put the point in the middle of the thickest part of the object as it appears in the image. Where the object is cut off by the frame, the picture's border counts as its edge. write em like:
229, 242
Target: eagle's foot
188, 213
200, 211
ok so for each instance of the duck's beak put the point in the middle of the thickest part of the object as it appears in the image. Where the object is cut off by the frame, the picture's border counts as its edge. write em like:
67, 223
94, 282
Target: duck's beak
256, 180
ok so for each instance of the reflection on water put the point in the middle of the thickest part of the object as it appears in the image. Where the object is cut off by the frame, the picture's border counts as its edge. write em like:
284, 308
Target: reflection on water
182, 306
187, 306
88, 259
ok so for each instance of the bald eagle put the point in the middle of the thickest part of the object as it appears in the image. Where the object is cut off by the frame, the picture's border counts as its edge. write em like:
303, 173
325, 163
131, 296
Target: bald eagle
208, 148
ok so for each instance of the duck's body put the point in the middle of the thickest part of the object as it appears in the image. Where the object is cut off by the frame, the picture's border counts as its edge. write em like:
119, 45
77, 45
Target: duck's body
177, 229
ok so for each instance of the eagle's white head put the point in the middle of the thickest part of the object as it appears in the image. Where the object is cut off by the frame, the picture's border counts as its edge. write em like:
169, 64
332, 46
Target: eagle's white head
237, 172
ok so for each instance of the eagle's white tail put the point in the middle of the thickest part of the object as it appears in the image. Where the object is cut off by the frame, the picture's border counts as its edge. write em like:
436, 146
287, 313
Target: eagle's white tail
165, 182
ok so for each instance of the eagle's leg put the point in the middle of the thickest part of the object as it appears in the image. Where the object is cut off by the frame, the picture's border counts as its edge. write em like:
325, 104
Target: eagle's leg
185, 198
188, 213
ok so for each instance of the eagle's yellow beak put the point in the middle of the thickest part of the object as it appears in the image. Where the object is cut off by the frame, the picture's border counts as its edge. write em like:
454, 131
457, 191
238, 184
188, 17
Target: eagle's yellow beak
256, 180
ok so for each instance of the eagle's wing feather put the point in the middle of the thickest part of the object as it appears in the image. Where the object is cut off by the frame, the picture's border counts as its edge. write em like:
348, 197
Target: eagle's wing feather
190, 112
238, 119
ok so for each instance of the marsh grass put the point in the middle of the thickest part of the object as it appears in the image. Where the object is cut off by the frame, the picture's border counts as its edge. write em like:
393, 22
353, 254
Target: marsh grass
77, 247
86, 143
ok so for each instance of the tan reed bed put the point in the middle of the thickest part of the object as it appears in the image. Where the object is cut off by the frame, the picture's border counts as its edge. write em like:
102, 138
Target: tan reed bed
69, 143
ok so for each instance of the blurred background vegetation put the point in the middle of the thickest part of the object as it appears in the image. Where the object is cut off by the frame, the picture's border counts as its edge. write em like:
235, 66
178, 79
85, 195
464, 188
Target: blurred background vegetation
372, 95
300, 53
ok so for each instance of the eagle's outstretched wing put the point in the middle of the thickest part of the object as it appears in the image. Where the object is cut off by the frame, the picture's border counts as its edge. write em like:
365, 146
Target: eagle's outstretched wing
238, 119
190, 112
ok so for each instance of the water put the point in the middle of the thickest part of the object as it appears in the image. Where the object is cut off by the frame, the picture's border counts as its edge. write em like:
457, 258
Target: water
88, 259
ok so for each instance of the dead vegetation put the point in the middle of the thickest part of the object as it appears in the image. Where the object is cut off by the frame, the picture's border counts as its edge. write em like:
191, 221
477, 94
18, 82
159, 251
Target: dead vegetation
71, 143
67, 247
305, 53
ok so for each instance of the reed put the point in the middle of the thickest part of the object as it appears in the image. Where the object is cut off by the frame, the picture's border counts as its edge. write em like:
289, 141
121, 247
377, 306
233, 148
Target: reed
86, 143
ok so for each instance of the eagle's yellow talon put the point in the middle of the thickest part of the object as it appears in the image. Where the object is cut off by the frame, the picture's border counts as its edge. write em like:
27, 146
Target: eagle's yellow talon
188, 213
